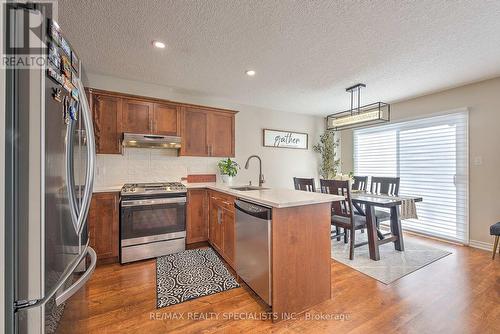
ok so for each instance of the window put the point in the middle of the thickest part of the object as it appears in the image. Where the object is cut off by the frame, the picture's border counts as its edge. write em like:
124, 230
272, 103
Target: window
430, 156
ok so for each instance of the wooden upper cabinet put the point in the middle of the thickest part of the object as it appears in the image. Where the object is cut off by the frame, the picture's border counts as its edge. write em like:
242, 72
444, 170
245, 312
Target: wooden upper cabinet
195, 132
107, 118
137, 116
221, 130
166, 119
205, 131
208, 133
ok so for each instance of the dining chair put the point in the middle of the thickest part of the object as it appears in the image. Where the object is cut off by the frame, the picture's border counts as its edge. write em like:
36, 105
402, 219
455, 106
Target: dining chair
360, 183
495, 230
304, 184
342, 213
384, 186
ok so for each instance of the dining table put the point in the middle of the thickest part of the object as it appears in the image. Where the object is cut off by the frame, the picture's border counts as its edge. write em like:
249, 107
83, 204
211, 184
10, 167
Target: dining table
367, 202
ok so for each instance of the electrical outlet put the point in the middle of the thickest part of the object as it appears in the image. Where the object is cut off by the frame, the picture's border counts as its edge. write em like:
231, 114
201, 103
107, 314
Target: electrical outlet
478, 161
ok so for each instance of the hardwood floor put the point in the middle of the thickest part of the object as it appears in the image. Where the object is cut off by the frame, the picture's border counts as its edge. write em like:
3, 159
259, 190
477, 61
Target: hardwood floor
457, 294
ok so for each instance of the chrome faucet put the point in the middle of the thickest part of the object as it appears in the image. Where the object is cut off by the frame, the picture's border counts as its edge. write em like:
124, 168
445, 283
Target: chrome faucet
261, 176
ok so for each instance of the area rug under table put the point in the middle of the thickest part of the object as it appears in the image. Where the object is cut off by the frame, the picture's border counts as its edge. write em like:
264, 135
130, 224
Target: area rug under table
393, 264
190, 274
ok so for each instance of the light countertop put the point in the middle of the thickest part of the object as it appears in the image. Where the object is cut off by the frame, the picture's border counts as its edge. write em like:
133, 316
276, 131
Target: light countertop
273, 197
107, 189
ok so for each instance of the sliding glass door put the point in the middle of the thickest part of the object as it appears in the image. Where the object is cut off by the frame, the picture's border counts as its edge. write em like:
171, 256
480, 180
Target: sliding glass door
430, 156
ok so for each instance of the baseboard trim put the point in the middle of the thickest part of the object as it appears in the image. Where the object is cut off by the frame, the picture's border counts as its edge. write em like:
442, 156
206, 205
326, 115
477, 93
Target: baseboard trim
481, 245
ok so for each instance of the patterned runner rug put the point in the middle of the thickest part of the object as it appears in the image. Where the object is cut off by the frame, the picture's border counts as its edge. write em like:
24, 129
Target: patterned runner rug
190, 274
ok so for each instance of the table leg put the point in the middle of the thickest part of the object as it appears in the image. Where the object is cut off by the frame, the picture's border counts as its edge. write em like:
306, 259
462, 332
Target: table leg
371, 227
396, 229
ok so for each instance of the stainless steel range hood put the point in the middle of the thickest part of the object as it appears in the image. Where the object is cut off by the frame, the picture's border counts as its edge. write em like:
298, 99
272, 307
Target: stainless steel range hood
151, 141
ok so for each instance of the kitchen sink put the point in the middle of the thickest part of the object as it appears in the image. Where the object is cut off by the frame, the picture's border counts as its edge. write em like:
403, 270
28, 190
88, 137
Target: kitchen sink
248, 188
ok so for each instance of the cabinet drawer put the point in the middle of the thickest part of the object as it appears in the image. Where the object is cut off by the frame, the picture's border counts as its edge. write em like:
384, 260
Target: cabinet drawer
223, 200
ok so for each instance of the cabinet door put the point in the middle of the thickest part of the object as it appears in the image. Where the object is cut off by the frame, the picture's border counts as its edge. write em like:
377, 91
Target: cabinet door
103, 221
229, 237
107, 117
197, 216
195, 135
221, 134
166, 120
137, 116
215, 231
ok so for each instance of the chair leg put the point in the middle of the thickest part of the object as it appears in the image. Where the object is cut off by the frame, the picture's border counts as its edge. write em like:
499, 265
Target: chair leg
353, 239
495, 245
346, 236
380, 235
337, 230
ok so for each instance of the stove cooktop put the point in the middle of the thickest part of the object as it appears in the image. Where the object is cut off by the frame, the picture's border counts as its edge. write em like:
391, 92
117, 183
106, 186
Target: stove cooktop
133, 189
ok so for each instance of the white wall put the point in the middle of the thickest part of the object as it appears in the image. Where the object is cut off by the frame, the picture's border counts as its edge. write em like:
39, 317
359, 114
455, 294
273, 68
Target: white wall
279, 165
483, 101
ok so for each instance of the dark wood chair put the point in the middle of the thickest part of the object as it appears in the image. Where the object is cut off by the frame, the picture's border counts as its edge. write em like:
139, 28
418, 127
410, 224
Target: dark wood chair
304, 184
495, 230
360, 183
385, 186
342, 213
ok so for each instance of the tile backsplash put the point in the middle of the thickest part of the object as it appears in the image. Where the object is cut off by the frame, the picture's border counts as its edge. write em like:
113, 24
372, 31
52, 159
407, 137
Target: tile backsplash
148, 165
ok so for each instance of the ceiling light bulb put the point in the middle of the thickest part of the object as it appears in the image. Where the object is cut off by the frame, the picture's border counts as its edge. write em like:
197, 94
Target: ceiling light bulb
250, 73
159, 45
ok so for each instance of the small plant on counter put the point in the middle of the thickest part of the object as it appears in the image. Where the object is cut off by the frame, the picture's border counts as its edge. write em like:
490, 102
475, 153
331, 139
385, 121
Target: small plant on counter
326, 147
228, 169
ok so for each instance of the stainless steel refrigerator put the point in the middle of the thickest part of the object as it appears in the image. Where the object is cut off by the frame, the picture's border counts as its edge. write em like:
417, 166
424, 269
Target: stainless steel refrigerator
50, 158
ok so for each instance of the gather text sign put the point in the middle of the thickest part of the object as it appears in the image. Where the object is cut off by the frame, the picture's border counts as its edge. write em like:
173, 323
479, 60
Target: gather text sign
286, 139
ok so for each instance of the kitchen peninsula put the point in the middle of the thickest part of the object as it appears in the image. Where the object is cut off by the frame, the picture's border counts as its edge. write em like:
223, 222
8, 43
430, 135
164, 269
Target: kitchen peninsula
299, 238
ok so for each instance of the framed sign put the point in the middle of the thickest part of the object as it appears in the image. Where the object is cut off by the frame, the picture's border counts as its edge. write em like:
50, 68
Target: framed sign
285, 139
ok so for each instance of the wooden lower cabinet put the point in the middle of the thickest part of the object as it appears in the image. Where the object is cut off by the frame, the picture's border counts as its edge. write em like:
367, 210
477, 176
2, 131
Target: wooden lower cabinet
215, 232
228, 245
221, 234
103, 224
197, 216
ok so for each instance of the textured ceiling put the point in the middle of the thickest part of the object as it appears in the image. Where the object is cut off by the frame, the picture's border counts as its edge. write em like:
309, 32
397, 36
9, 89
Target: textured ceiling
305, 52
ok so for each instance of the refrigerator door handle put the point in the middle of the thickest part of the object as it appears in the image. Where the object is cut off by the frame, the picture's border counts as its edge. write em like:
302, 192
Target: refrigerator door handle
70, 184
66, 294
87, 195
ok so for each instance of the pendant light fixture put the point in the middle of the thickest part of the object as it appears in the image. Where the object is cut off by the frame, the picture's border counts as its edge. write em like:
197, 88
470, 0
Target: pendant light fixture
378, 112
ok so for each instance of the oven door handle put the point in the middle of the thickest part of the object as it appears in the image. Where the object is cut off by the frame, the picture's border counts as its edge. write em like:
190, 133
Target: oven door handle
156, 201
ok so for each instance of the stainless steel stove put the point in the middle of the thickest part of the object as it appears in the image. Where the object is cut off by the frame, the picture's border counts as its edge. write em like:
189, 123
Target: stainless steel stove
147, 189
152, 220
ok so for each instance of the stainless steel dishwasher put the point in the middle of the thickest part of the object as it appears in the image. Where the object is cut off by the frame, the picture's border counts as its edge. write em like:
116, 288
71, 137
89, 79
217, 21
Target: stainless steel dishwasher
253, 247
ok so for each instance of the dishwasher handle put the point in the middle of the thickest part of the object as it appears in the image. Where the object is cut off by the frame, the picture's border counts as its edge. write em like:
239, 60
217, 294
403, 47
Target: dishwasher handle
254, 210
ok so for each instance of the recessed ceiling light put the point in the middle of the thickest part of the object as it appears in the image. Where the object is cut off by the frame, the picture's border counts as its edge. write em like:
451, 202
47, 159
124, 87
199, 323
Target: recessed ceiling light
250, 73
159, 45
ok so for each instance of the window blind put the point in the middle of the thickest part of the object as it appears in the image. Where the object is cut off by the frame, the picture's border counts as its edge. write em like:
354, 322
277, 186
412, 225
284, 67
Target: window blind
430, 156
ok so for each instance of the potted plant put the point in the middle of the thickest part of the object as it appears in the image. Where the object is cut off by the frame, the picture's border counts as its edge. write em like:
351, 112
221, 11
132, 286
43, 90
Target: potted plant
326, 148
228, 169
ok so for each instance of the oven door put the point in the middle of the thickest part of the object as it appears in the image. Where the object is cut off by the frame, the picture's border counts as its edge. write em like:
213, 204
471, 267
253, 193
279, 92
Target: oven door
149, 220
